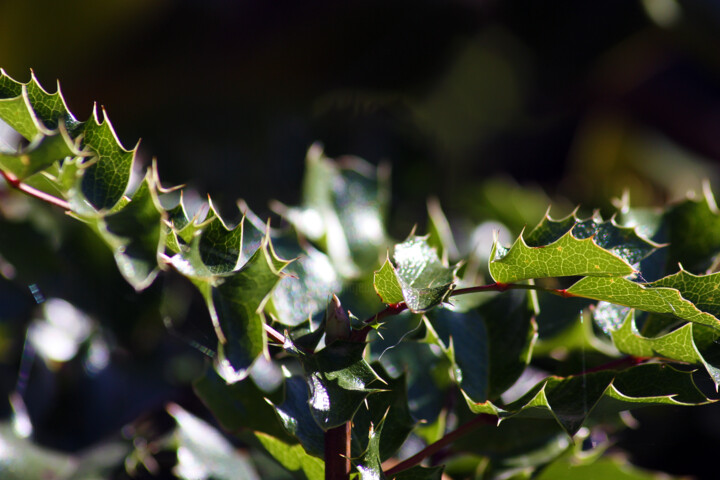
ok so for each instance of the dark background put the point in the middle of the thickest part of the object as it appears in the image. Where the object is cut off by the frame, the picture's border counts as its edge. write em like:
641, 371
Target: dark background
584, 99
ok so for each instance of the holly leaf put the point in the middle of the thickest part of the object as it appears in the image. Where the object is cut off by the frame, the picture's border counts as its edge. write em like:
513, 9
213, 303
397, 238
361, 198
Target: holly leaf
647, 297
622, 241
566, 256
40, 154
571, 400
236, 308
370, 465
338, 380
29, 109
416, 276
489, 347
691, 343
135, 234
392, 404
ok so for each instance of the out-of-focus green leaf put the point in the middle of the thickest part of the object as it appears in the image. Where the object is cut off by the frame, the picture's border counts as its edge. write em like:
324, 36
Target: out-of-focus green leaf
647, 297
568, 467
440, 236
343, 210
419, 275
693, 229
310, 282
420, 473
240, 405
293, 457
203, 453
338, 380
566, 256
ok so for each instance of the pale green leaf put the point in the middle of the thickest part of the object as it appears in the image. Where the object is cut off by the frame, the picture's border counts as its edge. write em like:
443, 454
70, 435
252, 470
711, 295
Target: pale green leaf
293, 457
691, 343
622, 291
419, 275
566, 256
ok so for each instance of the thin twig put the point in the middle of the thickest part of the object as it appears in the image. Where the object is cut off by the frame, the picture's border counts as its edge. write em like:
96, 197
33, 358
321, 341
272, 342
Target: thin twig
16, 183
482, 419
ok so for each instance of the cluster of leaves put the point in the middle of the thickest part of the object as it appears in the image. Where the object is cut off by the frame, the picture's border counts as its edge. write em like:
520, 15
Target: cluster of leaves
447, 341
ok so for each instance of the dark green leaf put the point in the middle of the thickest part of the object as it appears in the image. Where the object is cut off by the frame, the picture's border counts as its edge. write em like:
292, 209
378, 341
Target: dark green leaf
622, 241
338, 379
294, 413
236, 309
239, 405
135, 235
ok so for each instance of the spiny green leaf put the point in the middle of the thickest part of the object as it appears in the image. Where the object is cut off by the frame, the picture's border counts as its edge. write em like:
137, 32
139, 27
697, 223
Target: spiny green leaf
422, 278
702, 290
236, 309
370, 465
390, 403
567, 256
572, 399
293, 457
35, 111
622, 241
489, 347
622, 291
338, 379
136, 236
691, 343
220, 246
40, 154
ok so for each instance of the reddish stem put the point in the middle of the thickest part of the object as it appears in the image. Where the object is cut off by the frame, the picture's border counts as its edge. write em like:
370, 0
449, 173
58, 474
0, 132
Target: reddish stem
337, 453
627, 361
16, 183
433, 448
